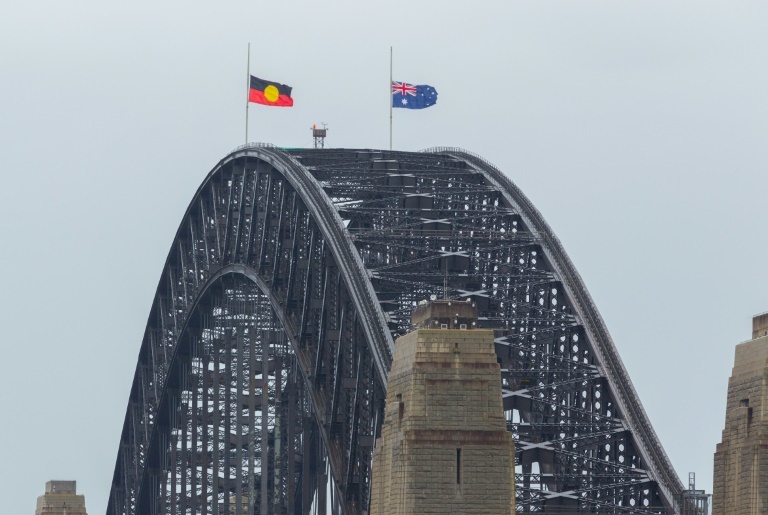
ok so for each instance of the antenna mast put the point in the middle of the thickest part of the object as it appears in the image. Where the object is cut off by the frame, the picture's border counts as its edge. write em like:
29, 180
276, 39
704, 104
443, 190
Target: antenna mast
318, 135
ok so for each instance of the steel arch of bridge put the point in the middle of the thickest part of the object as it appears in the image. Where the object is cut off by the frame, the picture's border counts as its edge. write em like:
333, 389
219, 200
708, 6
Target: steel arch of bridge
262, 373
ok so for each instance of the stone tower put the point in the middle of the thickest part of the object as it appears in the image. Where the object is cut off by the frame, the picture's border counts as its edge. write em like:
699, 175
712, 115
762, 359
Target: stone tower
61, 498
444, 446
741, 459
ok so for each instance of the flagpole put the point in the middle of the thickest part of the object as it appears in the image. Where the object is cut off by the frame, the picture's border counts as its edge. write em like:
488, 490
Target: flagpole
390, 98
247, 90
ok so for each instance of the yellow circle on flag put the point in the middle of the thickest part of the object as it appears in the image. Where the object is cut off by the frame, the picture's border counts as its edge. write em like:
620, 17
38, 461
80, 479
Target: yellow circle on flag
271, 93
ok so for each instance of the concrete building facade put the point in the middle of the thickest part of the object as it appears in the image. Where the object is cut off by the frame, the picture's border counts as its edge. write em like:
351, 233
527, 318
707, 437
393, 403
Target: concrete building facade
444, 446
741, 459
61, 498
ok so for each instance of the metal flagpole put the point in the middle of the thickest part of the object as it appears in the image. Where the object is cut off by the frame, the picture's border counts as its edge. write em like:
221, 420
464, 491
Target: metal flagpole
247, 91
390, 98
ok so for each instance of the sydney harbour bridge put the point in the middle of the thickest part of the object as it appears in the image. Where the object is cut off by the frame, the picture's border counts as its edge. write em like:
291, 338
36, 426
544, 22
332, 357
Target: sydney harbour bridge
262, 374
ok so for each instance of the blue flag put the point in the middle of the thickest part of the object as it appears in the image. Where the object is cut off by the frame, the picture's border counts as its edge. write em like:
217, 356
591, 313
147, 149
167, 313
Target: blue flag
409, 96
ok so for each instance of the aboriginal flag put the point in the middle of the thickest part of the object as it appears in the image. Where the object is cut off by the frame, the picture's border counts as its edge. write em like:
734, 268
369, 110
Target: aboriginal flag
269, 93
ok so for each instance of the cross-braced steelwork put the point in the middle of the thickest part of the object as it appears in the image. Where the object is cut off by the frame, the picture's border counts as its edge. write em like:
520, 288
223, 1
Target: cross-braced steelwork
262, 375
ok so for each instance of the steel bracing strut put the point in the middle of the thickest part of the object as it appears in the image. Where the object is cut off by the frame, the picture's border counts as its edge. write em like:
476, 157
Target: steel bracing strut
262, 374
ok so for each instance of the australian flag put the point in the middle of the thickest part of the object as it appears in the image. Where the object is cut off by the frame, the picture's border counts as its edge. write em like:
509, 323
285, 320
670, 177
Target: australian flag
409, 96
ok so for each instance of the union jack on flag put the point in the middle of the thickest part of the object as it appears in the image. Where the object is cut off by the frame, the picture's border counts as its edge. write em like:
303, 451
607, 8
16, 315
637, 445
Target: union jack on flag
401, 88
408, 96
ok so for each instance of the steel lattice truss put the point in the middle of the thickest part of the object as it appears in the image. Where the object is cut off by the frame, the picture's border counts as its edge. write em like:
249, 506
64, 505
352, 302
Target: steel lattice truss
261, 379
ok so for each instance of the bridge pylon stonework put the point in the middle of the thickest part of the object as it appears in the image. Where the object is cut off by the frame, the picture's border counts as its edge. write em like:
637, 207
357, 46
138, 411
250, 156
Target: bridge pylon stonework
262, 375
741, 458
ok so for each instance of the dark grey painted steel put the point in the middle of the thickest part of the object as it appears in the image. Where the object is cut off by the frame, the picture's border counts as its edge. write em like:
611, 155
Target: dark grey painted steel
343, 250
619, 381
264, 360
148, 446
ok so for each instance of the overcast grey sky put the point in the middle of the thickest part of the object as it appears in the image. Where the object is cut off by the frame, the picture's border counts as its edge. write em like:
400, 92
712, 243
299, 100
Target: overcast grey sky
637, 128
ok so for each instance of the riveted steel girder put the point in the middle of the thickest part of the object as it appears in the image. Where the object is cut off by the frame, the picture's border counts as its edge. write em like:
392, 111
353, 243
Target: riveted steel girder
262, 374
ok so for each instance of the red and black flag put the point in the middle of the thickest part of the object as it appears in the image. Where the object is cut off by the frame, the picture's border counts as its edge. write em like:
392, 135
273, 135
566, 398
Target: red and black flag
269, 93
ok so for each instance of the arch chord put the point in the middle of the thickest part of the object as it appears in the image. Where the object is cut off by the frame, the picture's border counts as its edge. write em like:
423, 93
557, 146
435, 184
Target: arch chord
618, 379
262, 372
